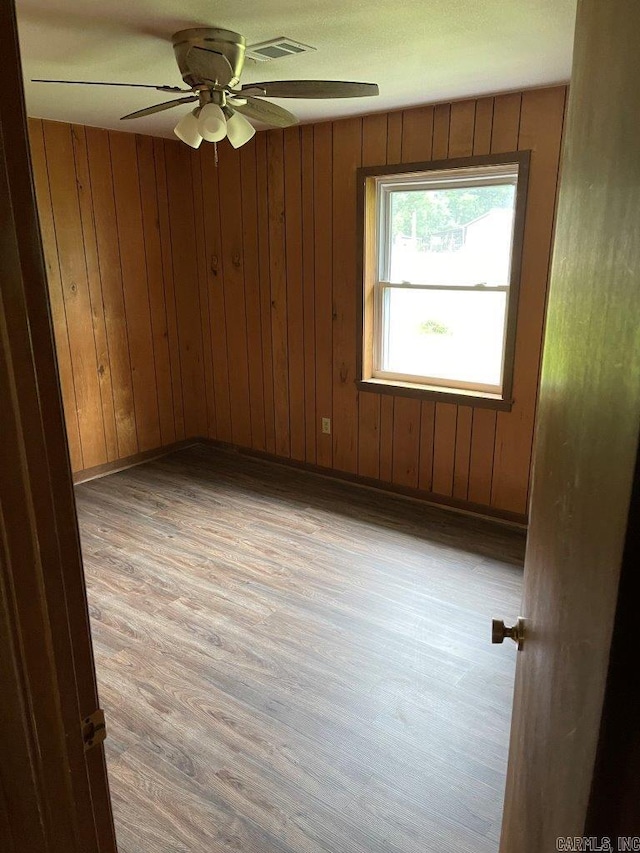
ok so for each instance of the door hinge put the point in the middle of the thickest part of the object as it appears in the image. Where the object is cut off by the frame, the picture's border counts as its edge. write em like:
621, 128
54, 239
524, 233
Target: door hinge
94, 729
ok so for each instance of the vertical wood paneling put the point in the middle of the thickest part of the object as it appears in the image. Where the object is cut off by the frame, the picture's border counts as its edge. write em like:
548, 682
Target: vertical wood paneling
252, 292
83, 182
126, 191
185, 278
462, 125
308, 285
406, 442
386, 438
197, 179
155, 280
441, 125
462, 453
109, 232
295, 297
427, 432
483, 126
107, 226
45, 212
394, 137
278, 269
265, 290
230, 188
444, 447
216, 297
347, 157
417, 134
221, 300
75, 289
104, 211
169, 286
369, 435
323, 194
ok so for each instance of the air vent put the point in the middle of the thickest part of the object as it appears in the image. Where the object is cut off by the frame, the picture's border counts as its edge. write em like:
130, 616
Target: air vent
276, 49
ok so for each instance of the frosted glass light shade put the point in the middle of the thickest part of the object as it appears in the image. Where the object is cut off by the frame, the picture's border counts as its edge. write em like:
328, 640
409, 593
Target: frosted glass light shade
239, 130
187, 130
212, 124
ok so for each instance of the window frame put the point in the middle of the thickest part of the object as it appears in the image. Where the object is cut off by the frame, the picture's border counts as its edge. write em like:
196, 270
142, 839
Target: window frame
370, 253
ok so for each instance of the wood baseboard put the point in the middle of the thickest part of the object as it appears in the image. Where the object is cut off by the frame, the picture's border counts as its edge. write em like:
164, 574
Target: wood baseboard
448, 503
131, 461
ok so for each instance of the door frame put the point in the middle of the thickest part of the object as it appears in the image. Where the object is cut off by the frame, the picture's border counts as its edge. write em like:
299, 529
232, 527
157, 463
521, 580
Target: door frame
53, 794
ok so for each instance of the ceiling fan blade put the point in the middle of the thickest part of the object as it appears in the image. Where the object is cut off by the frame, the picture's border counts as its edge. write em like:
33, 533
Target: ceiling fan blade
311, 89
135, 85
157, 108
264, 112
208, 66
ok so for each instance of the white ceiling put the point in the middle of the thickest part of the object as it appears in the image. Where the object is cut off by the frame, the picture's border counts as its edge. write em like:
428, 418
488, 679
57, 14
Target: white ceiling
418, 51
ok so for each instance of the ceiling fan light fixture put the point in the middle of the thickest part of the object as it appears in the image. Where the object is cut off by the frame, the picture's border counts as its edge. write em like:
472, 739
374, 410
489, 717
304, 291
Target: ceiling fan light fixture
239, 130
210, 61
212, 124
187, 129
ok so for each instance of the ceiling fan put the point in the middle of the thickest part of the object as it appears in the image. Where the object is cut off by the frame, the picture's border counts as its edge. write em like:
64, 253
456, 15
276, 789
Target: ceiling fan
211, 62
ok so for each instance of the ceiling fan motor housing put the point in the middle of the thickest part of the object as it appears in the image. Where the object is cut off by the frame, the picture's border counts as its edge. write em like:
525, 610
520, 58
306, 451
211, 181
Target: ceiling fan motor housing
225, 43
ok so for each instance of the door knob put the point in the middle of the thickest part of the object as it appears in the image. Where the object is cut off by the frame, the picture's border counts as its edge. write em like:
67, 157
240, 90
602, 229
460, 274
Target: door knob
499, 631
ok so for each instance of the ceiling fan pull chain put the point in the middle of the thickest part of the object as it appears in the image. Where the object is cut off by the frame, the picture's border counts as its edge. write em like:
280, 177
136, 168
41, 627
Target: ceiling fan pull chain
215, 148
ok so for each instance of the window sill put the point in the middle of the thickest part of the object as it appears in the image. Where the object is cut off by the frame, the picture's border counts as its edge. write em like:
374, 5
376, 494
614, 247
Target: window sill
440, 395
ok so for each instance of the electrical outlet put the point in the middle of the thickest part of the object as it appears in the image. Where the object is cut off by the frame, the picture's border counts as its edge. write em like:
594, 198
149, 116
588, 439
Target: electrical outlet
326, 426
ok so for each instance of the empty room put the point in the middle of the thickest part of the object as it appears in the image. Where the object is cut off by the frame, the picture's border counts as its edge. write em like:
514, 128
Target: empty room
320, 429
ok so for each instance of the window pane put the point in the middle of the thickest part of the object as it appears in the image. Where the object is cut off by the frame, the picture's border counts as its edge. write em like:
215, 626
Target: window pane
452, 236
445, 335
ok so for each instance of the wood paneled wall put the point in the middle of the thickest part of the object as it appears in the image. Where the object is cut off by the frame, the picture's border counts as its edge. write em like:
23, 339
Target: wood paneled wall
280, 267
191, 300
124, 295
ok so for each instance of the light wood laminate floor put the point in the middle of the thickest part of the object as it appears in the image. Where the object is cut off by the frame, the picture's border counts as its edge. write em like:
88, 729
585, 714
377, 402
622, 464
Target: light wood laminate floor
293, 664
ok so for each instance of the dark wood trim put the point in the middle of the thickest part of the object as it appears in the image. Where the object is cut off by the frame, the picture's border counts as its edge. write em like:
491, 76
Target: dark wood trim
419, 393
130, 461
452, 504
54, 796
519, 225
523, 159
366, 482
361, 185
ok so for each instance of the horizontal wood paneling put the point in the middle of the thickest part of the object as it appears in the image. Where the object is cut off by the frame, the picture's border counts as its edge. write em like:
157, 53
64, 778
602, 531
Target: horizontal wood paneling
194, 301
305, 206
117, 219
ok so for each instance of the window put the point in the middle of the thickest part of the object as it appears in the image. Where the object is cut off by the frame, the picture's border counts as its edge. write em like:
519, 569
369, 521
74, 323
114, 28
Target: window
441, 264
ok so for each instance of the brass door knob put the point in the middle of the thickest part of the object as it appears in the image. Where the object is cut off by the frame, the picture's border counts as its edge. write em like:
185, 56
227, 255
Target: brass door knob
499, 631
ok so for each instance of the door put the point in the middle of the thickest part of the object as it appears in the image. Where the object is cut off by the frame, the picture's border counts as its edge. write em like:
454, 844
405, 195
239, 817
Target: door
587, 440
53, 794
